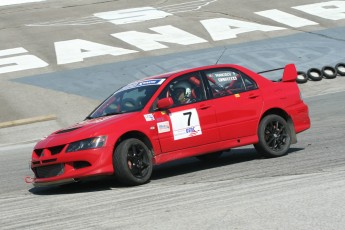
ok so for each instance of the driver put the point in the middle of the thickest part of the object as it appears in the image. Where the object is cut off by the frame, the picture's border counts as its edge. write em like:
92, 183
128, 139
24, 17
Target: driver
182, 93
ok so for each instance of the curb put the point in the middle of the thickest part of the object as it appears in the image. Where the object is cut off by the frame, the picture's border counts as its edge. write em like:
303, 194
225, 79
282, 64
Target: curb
27, 121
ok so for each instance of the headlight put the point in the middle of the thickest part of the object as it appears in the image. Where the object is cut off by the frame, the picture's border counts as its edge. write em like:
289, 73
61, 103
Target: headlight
90, 143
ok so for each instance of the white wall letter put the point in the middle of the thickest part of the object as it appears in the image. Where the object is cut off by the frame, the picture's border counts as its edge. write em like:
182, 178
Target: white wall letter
170, 34
132, 15
333, 10
76, 50
14, 2
225, 28
285, 18
17, 63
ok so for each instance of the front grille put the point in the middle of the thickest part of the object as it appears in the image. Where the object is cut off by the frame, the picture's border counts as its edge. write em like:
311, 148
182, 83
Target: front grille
49, 160
56, 149
49, 170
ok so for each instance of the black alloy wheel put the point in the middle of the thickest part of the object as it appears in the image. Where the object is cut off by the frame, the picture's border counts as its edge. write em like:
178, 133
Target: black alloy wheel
132, 162
274, 136
137, 161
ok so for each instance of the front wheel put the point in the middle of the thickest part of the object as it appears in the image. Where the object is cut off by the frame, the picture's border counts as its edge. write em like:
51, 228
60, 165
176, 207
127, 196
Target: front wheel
132, 162
274, 136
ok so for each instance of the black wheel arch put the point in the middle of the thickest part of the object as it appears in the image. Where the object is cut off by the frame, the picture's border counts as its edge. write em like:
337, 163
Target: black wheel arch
282, 113
138, 135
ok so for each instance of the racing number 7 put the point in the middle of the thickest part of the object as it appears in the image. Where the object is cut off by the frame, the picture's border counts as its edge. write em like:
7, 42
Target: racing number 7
189, 114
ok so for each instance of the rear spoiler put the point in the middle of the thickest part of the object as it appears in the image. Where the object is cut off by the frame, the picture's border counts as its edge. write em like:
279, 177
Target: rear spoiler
289, 75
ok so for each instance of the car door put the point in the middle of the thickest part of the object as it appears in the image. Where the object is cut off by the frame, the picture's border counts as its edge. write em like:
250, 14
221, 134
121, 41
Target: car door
189, 123
237, 101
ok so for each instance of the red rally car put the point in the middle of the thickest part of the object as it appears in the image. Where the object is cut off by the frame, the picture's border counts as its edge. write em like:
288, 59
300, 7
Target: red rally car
197, 112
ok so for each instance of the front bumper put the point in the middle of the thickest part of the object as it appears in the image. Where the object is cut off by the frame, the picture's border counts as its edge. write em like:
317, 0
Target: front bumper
51, 168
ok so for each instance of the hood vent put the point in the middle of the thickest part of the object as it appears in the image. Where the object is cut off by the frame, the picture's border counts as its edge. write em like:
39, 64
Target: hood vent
67, 130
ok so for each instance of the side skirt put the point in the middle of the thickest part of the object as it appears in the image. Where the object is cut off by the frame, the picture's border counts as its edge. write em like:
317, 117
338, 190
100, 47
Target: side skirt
204, 149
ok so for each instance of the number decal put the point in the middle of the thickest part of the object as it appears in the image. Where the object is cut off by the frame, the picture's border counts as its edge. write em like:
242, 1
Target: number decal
181, 128
189, 115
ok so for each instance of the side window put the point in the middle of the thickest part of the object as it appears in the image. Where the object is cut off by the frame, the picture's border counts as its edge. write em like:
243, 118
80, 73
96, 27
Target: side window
249, 83
185, 90
224, 82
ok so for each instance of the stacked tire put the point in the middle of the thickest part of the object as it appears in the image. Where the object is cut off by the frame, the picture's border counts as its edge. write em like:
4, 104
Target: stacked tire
315, 74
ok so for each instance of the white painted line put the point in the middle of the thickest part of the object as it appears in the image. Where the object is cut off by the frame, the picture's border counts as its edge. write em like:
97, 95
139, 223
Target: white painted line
186, 6
15, 2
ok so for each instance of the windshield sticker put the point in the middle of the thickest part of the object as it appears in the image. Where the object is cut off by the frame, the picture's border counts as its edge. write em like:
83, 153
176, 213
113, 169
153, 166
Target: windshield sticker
149, 117
225, 74
142, 83
163, 127
150, 82
227, 79
185, 124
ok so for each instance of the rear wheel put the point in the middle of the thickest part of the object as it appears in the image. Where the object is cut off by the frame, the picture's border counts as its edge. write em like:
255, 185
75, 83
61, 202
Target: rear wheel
132, 162
274, 136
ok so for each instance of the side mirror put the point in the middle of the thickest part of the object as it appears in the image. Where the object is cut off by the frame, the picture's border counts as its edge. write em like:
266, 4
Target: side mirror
165, 103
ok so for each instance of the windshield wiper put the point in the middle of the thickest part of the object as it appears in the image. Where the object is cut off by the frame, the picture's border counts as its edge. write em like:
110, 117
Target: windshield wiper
104, 115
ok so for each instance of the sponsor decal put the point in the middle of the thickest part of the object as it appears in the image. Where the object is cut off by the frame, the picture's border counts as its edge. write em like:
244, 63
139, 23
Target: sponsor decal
163, 127
142, 83
224, 74
150, 82
149, 117
227, 79
185, 124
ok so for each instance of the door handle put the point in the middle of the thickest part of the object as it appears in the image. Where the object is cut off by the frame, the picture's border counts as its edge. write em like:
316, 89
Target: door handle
253, 95
204, 106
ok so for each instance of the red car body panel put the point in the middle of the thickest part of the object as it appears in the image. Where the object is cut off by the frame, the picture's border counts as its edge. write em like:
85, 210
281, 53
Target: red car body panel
225, 122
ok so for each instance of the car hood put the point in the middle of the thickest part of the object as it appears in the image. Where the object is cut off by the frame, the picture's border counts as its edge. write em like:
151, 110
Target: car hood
83, 130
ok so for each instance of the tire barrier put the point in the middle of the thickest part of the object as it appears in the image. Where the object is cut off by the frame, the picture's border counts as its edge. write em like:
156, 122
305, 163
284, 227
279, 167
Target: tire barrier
301, 77
315, 74
329, 72
340, 68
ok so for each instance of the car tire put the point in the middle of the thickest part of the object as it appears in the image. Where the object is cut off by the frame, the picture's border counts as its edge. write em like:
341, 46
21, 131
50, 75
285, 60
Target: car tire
274, 136
314, 74
209, 157
340, 68
301, 77
329, 72
132, 162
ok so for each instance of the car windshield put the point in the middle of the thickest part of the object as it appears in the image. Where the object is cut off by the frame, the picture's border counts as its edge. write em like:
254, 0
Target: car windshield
130, 98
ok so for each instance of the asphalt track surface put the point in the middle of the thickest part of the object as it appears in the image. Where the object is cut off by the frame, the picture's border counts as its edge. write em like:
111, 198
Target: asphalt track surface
303, 190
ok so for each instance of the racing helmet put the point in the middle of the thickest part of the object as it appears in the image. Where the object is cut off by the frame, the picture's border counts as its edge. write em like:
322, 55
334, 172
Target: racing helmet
182, 91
